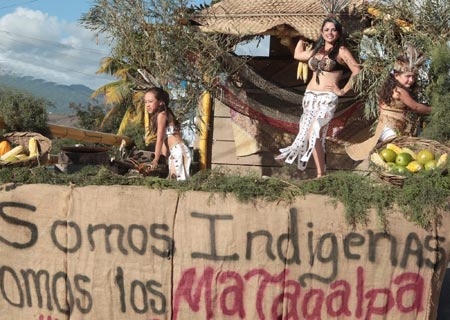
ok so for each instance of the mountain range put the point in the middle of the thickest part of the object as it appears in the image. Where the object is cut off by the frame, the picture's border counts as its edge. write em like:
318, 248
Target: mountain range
59, 95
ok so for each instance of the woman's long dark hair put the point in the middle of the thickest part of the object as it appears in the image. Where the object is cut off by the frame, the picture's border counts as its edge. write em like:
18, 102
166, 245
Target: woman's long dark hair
321, 42
162, 95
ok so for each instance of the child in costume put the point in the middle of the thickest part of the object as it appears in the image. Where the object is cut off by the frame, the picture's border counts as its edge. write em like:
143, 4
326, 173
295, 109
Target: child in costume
168, 136
395, 100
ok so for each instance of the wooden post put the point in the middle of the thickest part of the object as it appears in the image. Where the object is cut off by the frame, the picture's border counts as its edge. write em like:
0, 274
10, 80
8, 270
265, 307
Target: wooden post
204, 129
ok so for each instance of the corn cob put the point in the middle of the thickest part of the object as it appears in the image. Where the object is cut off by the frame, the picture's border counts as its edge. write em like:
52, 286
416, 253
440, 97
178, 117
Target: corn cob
412, 153
378, 160
442, 161
13, 152
33, 148
300, 71
305, 72
394, 148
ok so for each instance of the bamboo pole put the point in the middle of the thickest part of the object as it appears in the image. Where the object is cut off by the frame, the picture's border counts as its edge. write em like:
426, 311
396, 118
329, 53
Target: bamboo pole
204, 129
82, 135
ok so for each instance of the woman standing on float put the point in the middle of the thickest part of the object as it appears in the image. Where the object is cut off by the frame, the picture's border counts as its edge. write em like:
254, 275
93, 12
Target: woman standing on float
328, 60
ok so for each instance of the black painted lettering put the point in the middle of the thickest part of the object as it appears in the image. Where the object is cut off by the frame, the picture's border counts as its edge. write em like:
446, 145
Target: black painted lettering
163, 303
373, 243
169, 251
412, 241
120, 281
134, 285
18, 222
87, 297
144, 238
432, 244
253, 235
332, 257
353, 239
77, 235
212, 237
36, 279
310, 244
65, 291
291, 237
108, 229
4, 287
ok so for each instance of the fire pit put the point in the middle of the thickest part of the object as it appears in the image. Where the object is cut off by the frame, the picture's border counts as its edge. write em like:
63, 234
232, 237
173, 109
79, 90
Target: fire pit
73, 158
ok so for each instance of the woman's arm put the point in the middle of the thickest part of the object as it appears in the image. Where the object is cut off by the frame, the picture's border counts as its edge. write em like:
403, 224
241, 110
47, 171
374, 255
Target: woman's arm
406, 98
300, 52
354, 67
160, 135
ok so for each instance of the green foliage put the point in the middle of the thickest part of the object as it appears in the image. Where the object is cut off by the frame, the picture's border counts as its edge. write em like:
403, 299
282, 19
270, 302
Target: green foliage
439, 94
23, 112
423, 199
89, 116
428, 26
155, 36
136, 132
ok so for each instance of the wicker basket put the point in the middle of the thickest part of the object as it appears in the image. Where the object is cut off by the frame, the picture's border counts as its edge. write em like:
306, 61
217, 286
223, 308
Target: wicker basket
415, 144
22, 138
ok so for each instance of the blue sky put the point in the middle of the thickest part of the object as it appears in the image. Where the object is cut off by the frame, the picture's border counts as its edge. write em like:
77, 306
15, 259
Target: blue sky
43, 39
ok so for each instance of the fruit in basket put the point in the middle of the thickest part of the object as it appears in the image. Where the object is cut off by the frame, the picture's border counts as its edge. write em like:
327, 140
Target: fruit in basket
442, 161
33, 148
13, 152
394, 148
412, 153
403, 159
423, 156
4, 147
378, 160
400, 170
414, 166
388, 155
430, 165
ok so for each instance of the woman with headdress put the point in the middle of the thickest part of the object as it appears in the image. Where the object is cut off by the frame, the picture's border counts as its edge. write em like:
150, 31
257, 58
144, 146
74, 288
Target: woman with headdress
395, 100
168, 136
328, 60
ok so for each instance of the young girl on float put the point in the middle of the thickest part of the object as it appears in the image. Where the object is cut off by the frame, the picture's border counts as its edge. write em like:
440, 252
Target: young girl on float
328, 61
395, 100
168, 136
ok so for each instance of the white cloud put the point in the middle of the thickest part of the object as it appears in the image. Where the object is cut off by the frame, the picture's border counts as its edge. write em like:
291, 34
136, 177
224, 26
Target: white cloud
32, 43
255, 48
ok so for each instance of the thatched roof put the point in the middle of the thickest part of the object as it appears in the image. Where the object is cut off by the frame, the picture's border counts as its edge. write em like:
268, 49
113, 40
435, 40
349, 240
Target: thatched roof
268, 17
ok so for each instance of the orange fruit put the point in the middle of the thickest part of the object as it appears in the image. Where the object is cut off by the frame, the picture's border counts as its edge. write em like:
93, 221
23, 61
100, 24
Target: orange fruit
423, 156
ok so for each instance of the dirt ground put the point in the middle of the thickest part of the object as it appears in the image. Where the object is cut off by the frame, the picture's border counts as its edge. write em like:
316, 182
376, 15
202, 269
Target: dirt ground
63, 119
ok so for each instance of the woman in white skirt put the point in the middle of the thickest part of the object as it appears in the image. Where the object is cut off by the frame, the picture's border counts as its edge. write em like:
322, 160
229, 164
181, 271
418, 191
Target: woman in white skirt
328, 60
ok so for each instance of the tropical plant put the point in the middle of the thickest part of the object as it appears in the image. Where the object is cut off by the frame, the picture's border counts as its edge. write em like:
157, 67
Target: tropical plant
153, 45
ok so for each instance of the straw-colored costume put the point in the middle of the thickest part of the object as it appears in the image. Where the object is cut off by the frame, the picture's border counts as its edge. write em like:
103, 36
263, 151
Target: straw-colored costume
393, 117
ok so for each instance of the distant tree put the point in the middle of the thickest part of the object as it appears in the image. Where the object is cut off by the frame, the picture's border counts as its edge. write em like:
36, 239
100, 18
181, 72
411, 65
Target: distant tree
89, 116
23, 112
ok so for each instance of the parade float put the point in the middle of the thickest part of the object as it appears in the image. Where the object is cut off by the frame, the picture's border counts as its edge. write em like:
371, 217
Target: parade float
97, 243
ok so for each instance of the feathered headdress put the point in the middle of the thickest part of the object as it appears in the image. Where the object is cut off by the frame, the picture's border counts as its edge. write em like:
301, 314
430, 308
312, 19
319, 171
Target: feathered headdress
333, 7
409, 61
